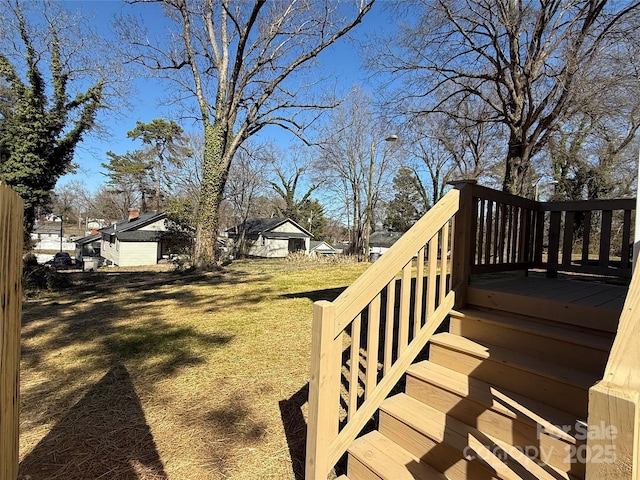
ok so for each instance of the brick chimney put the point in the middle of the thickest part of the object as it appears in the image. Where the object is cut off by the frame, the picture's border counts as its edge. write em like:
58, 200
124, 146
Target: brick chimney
94, 231
133, 214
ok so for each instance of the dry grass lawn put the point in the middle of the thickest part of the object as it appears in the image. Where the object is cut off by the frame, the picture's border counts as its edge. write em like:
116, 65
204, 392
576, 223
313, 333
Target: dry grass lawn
152, 375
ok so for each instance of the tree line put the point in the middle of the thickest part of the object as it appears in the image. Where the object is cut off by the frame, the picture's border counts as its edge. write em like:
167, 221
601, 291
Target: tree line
519, 95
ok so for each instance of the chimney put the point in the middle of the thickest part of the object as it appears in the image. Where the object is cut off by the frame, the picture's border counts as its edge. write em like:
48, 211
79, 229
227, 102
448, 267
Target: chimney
133, 214
94, 231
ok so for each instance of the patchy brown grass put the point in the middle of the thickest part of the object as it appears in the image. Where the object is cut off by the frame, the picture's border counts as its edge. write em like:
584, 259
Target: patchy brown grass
155, 375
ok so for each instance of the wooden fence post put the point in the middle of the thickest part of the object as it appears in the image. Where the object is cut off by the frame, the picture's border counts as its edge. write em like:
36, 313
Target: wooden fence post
11, 240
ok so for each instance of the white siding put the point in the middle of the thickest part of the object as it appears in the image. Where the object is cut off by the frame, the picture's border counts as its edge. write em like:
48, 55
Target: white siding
138, 253
109, 252
273, 248
158, 226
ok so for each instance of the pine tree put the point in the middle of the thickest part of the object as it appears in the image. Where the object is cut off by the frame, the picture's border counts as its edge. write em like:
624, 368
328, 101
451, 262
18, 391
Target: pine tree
407, 206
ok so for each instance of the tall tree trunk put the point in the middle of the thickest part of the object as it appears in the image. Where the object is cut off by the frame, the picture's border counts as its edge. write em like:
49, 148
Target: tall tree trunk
214, 173
517, 166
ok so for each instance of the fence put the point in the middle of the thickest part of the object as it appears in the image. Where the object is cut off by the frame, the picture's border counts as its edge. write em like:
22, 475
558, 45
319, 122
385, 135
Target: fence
11, 239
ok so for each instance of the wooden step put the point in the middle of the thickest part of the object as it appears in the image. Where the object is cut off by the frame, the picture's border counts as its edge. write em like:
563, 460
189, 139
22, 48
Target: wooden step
556, 385
596, 318
401, 413
374, 456
580, 350
504, 415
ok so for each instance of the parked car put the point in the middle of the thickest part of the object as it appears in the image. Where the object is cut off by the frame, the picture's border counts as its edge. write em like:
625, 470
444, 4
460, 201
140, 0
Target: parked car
62, 260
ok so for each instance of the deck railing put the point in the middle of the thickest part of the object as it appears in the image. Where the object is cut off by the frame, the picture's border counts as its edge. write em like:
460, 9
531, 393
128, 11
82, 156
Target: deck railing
365, 340
515, 233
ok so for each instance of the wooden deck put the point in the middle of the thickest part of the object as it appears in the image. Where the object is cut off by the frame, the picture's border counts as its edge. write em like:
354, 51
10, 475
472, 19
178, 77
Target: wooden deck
587, 303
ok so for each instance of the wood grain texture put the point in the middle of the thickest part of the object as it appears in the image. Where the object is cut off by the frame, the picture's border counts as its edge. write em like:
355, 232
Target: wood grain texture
11, 208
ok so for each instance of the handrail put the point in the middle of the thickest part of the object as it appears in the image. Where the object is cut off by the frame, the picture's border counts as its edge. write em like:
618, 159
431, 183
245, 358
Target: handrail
613, 443
364, 341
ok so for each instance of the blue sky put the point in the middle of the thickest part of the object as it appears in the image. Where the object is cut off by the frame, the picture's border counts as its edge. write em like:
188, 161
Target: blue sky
340, 60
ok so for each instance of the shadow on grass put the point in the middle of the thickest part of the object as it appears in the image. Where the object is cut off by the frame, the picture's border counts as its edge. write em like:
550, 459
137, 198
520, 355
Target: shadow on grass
295, 429
104, 435
329, 294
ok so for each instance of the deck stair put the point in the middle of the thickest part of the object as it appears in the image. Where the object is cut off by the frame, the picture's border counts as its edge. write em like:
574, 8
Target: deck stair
504, 395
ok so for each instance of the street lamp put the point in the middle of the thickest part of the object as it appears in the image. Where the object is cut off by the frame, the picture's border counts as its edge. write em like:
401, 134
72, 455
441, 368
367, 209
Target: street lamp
367, 247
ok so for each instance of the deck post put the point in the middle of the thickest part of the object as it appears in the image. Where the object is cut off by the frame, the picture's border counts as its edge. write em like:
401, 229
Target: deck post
464, 238
324, 391
613, 443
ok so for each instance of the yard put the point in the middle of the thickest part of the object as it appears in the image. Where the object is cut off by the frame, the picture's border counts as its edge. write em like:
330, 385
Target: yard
152, 375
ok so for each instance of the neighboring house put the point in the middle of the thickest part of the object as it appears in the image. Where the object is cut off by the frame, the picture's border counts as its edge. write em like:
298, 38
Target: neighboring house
136, 241
321, 248
272, 237
41, 232
381, 241
88, 246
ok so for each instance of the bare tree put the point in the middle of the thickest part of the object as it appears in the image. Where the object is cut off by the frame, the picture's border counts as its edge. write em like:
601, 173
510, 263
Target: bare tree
345, 162
247, 181
527, 62
243, 62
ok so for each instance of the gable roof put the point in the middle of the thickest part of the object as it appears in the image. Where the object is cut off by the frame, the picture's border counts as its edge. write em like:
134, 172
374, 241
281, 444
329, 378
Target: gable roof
321, 246
88, 239
382, 238
265, 227
142, 220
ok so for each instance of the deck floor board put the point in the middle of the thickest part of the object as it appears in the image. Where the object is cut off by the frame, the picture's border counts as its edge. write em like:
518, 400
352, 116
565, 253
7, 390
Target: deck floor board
593, 293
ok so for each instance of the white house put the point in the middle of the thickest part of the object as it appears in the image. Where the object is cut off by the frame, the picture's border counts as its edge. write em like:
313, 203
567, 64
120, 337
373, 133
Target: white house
135, 241
271, 237
321, 248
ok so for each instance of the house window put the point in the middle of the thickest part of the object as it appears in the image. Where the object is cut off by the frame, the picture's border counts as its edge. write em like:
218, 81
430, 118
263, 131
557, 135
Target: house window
264, 241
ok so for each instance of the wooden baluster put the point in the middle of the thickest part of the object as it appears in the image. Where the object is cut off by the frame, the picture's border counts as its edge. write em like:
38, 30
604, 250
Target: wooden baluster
354, 372
373, 343
403, 317
481, 241
586, 238
443, 261
554, 245
490, 237
432, 278
626, 240
389, 326
539, 237
418, 307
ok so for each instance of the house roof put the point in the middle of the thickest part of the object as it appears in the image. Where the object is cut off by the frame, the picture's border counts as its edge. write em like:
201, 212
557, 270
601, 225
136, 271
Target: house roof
264, 226
88, 239
139, 236
382, 238
320, 246
47, 229
142, 220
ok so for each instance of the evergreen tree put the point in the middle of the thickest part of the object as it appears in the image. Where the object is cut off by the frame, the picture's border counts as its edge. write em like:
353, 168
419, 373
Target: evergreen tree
167, 144
407, 206
42, 124
131, 173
